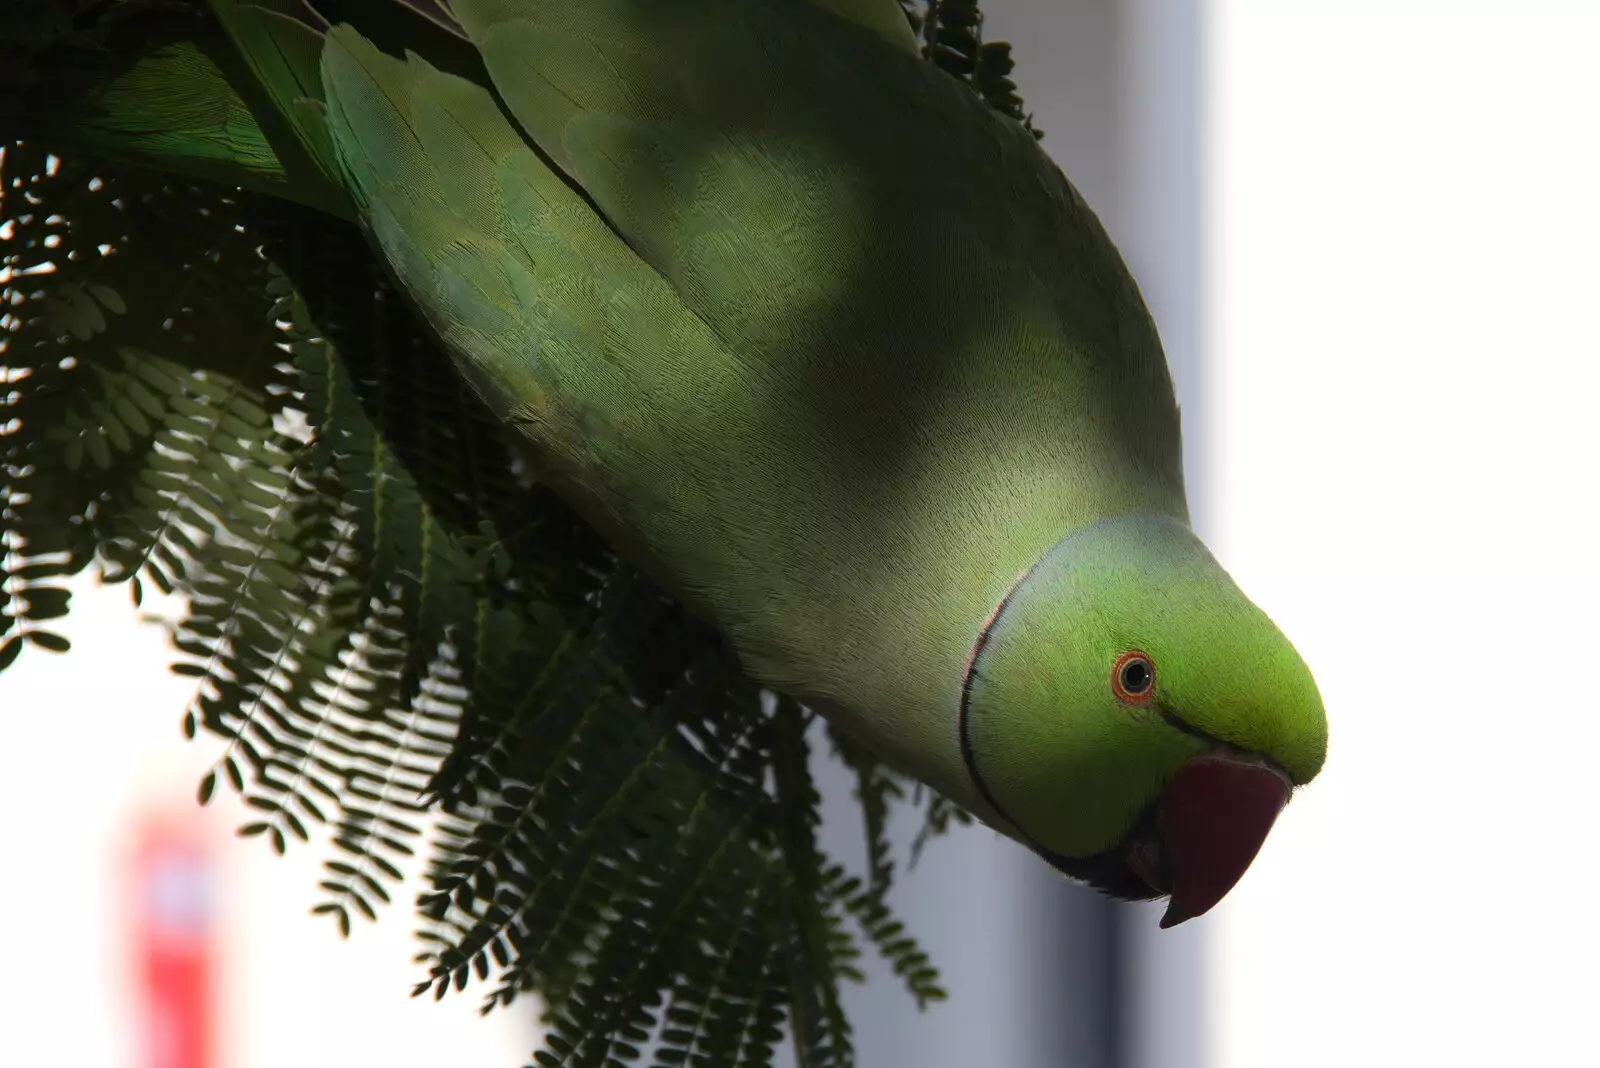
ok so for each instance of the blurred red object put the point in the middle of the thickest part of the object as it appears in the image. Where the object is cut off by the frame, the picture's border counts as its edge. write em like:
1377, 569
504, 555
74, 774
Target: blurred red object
174, 941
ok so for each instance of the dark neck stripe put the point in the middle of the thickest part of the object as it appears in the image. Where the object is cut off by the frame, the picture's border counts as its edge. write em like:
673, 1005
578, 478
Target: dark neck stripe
964, 716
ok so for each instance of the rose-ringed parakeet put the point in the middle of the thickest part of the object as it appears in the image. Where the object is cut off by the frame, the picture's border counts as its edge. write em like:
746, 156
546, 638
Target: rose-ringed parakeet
916, 456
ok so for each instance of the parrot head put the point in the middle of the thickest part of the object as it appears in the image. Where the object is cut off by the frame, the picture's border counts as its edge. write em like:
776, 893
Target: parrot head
1136, 718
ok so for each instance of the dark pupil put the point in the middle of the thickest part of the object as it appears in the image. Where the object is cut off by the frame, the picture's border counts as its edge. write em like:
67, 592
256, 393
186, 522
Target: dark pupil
1136, 677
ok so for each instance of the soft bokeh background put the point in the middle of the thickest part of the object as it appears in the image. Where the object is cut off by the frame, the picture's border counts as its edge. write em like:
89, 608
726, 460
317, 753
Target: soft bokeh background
1368, 231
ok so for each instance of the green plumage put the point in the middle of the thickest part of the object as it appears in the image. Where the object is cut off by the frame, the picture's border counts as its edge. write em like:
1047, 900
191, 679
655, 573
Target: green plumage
743, 384
917, 457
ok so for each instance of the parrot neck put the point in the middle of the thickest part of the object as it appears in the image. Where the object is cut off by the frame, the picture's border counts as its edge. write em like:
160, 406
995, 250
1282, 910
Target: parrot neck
899, 686
1145, 543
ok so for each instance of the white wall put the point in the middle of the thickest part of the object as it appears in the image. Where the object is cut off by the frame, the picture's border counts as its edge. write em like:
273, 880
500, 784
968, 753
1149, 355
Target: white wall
1405, 234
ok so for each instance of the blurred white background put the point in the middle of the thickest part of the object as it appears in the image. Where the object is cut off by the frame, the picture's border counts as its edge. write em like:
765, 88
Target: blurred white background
1404, 377
1394, 380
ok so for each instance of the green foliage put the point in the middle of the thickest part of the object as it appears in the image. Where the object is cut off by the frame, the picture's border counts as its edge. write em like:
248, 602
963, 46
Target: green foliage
106, 445
951, 32
397, 634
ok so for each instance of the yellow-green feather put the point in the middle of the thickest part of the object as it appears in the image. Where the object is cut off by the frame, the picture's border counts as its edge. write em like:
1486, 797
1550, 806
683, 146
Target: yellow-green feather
284, 54
172, 93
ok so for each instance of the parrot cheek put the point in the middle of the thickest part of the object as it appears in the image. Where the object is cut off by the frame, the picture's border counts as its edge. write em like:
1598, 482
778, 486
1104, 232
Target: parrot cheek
1210, 823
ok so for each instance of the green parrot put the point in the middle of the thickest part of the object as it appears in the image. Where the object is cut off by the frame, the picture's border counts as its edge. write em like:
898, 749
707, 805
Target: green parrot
916, 457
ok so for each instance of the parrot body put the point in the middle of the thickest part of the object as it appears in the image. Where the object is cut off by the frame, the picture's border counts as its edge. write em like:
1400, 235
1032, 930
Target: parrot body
834, 352
843, 465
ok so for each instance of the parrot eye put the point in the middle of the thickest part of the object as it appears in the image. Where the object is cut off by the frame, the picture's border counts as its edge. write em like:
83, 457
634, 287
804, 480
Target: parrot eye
1133, 678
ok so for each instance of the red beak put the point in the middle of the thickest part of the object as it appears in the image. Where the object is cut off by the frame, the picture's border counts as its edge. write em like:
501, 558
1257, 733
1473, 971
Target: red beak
1210, 823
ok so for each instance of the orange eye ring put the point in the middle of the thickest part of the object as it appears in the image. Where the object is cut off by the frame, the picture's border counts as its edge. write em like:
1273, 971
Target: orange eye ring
1133, 678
